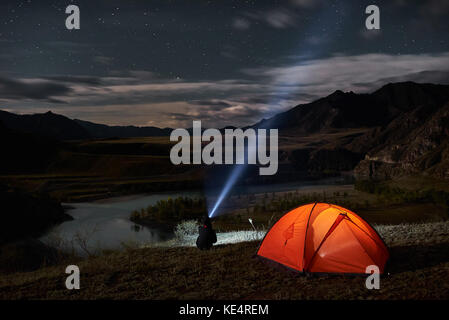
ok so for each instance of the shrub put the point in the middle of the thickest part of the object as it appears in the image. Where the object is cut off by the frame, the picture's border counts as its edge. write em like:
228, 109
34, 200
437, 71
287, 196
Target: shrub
401, 195
172, 209
186, 228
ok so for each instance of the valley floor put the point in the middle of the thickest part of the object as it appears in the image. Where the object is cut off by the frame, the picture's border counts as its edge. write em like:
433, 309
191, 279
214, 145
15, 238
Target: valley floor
418, 269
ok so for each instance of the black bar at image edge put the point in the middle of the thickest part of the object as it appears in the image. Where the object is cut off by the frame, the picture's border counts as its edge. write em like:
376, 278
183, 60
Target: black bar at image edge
229, 309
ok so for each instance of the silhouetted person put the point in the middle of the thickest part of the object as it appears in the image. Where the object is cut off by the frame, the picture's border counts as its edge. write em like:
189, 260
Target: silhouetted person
206, 235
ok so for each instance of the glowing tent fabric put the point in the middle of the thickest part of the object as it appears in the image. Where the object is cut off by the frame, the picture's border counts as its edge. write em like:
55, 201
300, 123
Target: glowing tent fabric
324, 238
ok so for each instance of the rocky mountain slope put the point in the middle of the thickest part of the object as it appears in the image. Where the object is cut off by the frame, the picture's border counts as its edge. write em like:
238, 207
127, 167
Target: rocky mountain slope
405, 131
410, 144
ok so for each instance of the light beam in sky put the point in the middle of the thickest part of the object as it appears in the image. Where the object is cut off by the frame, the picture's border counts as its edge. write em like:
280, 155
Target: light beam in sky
282, 91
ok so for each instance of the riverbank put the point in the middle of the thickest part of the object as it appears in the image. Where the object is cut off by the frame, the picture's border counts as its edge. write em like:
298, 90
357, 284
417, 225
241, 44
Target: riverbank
105, 224
418, 269
24, 214
265, 208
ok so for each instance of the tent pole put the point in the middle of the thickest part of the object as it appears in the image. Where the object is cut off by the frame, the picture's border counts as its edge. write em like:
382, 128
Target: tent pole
305, 239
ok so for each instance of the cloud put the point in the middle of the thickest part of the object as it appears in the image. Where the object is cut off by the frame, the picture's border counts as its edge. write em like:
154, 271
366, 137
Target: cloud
279, 18
317, 40
134, 87
174, 114
103, 60
228, 113
322, 76
88, 80
12, 89
212, 103
142, 74
141, 98
241, 24
370, 34
306, 3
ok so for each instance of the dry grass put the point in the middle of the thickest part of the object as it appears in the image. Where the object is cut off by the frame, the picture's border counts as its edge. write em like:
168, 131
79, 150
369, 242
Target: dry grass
149, 140
417, 234
290, 140
418, 269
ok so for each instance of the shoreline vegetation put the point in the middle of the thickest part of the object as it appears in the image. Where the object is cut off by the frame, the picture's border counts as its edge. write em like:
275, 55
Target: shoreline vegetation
374, 201
170, 212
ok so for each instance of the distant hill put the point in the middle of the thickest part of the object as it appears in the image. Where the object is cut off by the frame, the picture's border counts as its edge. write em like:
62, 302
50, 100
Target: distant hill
59, 127
47, 124
104, 131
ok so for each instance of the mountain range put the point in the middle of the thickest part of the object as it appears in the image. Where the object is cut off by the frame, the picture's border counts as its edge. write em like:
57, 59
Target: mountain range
406, 131
60, 127
401, 128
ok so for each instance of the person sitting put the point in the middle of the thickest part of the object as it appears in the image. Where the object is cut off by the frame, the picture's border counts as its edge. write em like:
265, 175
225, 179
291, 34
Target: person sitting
206, 235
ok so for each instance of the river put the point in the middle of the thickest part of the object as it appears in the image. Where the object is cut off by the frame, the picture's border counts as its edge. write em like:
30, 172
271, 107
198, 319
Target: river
105, 224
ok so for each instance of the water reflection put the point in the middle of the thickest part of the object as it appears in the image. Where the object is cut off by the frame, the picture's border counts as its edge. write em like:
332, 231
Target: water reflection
105, 224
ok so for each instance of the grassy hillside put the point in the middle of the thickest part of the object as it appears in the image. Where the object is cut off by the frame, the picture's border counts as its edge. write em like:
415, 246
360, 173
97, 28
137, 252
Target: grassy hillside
83, 170
418, 270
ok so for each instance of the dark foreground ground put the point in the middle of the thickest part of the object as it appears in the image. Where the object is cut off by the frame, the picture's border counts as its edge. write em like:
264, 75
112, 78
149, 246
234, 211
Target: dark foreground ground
418, 269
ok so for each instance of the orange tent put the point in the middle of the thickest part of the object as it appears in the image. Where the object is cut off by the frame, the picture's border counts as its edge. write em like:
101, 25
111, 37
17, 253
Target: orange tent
322, 237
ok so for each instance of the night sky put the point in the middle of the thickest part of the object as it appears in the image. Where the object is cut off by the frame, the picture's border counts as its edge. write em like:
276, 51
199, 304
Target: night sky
166, 63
